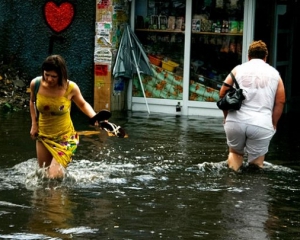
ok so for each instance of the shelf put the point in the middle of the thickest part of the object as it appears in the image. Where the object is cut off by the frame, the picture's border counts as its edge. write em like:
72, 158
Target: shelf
216, 33
193, 32
158, 30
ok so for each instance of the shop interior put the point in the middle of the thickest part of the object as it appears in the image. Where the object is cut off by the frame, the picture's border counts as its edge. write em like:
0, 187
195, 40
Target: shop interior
215, 48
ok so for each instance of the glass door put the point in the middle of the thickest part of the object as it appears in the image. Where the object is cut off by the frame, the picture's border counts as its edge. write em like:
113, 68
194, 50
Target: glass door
283, 47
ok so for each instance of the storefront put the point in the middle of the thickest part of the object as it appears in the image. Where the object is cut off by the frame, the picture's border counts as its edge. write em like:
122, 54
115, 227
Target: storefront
192, 46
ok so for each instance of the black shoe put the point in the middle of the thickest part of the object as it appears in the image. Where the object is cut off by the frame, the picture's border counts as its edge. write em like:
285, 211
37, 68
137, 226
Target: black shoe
100, 116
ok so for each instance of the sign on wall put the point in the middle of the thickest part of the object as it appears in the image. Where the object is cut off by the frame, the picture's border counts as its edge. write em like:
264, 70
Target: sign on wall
59, 17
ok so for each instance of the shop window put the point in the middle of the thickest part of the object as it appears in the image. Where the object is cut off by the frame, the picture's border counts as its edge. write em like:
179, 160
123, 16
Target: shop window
216, 45
160, 27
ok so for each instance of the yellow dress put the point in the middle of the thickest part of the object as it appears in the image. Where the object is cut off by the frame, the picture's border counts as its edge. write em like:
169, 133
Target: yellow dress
56, 130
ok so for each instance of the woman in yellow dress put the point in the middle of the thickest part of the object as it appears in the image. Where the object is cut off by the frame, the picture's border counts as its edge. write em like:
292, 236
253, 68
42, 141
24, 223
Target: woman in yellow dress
52, 128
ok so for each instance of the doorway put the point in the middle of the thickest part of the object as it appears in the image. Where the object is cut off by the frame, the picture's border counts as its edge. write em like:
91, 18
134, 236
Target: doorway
277, 29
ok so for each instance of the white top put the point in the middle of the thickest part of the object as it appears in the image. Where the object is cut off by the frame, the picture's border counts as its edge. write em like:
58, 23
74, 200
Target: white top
259, 81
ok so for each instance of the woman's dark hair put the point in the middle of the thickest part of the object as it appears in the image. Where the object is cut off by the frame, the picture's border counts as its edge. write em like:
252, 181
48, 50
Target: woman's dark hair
257, 49
56, 63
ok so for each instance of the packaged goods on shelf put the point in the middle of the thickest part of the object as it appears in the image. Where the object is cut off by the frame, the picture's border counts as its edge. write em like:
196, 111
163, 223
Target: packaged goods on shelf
206, 25
196, 23
154, 60
171, 22
169, 65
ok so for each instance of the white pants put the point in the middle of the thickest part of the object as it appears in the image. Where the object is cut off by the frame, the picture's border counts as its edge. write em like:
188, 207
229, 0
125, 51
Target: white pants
245, 138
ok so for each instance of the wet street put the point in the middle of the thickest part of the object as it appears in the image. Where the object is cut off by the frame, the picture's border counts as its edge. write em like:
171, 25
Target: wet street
167, 180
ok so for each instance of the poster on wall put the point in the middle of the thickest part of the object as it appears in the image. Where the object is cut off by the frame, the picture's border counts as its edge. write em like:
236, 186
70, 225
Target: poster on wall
120, 13
102, 71
120, 18
110, 17
103, 34
102, 55
102, 4
105, 16
104, 11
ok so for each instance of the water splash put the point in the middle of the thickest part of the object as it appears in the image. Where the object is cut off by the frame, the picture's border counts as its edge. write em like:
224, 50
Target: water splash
81, 173
212, 167
8, 204
78, 230
91, 174
219, 167
277, 168
26, 236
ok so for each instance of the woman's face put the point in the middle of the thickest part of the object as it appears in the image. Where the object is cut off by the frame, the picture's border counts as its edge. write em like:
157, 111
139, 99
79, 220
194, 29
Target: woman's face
51, 78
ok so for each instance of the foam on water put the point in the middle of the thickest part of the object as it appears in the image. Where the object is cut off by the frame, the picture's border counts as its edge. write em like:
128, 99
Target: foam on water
8, 204
217, 167
78, 230
91, 174
80, 173
26, 236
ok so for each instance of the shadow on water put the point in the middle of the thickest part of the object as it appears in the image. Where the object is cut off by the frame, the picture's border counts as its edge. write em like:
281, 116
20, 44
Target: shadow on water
168, 179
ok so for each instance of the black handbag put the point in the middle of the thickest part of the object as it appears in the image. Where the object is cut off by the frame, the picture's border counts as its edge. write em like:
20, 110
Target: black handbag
233, 98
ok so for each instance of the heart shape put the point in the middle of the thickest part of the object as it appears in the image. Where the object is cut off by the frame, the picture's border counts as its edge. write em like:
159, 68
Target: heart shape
59, 17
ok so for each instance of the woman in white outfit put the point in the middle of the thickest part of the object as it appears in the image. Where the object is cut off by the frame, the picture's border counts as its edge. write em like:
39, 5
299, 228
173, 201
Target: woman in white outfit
250, 129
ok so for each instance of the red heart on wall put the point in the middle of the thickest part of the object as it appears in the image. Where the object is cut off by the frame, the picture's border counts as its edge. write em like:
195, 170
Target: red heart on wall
59, 17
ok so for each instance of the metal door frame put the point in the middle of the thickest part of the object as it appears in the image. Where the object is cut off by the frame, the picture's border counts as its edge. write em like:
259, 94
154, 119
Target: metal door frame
280, 9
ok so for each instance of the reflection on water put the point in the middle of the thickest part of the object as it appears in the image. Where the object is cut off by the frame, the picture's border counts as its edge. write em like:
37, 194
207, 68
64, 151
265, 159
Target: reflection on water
169, 180
53, 211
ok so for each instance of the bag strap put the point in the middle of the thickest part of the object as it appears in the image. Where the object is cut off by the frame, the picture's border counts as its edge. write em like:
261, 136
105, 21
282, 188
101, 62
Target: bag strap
227, 85
37, 83
234, 80
36, 87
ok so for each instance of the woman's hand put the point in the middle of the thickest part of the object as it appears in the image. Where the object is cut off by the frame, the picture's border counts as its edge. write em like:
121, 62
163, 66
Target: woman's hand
34, 131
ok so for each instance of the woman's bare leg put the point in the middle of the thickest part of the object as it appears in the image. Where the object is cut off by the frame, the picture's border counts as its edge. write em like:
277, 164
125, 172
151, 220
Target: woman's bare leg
44, 157
235, 160
46, 160
258, 161
56, 170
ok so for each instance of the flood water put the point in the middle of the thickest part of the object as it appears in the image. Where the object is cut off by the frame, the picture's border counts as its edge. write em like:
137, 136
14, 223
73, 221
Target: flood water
167, 180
